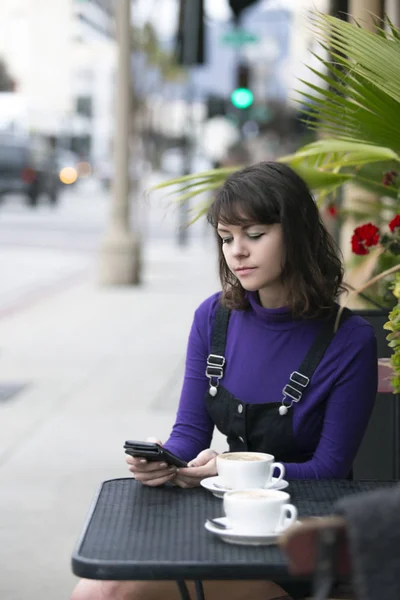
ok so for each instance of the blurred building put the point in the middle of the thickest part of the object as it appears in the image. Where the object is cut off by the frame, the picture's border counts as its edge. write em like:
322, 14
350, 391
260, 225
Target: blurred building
61, 54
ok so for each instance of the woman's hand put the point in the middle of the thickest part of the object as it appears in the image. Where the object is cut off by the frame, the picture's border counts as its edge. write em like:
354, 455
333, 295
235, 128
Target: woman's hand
151, 473
204, 465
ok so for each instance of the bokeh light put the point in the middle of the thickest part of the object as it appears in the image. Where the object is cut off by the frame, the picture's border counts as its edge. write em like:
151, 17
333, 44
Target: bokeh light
68, 175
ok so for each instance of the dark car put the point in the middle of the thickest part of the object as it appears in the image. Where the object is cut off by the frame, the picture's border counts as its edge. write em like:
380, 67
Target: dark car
28, 167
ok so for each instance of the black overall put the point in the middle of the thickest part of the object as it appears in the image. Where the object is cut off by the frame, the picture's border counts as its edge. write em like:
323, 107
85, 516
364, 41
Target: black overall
260, 427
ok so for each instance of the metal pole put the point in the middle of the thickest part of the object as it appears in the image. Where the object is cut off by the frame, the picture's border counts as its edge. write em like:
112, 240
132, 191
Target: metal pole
120, 251
187, 150
192, 13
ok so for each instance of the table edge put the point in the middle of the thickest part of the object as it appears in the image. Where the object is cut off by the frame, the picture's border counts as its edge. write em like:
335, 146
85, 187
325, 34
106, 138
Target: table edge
89, 514
126, 571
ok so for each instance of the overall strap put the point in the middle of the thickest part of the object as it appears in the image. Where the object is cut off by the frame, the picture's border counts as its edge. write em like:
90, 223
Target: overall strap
218, 341
300, 379
216, 358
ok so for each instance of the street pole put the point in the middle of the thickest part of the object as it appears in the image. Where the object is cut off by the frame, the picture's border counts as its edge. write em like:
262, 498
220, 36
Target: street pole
120, 250
192, 24
187, 151
362, 11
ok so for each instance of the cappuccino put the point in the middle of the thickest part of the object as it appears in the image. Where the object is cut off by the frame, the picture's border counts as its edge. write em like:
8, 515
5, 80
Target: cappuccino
253, 494
241, 456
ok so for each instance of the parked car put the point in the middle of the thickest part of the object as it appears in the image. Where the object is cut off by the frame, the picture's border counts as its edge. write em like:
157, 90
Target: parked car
28, 166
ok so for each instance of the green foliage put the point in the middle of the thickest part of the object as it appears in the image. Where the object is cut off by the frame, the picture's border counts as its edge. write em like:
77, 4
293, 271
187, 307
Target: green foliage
356, 104
393, 326
145, 40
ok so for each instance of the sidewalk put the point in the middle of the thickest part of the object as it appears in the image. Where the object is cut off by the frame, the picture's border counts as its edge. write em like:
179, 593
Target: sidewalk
100, 365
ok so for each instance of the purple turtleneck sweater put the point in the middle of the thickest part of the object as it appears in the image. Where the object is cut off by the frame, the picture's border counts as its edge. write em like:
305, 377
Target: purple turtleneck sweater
264, 346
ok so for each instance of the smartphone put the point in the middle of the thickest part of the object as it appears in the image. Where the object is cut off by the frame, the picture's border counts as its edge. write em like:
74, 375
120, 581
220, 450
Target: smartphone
152, 452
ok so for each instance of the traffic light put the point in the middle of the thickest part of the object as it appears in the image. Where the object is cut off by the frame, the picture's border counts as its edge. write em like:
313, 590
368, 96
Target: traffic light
242, 96
238, 6
190, 36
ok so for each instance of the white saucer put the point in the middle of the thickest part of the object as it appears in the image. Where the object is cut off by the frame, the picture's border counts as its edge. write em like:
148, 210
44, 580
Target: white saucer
215, 487
245, 539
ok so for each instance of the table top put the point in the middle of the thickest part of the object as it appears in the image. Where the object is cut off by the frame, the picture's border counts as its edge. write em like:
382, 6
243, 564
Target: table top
134, 532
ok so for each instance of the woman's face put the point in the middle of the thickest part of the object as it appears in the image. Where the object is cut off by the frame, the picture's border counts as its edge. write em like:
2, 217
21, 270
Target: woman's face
255, 255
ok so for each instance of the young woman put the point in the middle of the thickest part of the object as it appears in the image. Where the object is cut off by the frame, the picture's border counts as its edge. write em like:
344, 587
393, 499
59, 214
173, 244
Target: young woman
264, 364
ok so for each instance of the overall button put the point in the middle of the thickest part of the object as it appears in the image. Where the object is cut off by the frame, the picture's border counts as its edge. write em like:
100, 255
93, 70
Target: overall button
240, 408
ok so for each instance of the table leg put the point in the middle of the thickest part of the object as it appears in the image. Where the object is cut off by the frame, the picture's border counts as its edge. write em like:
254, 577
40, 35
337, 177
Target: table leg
184, 592
199, 590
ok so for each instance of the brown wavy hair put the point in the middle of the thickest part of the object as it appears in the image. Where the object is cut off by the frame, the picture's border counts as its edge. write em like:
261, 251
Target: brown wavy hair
271, 192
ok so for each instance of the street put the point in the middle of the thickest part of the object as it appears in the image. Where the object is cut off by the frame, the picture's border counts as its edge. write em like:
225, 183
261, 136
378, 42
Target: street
82, 368
47, 248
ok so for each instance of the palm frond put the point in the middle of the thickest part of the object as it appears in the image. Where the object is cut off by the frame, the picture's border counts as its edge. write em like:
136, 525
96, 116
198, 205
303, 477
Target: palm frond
356, 104
364, 86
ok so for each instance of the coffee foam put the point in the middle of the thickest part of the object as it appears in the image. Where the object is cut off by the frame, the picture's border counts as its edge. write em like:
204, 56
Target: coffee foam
245, 494
248, 456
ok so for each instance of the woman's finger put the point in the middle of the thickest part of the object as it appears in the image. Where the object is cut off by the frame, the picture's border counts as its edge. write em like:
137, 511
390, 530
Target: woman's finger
159, 480
184, 482
154, 440
192, 472
203, 458
145, 476
198, 472
146, 467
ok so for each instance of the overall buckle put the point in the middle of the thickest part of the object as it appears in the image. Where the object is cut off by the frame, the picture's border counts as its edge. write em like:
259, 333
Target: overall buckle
215, 371
293, 388
215, 366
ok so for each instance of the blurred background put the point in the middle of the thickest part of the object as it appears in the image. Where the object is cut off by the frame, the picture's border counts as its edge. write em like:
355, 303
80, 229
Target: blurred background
58, 102
100, 101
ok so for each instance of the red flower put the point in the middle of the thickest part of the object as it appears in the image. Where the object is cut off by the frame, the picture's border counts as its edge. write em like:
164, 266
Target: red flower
389, 177
364, 236
332, 210
394, 223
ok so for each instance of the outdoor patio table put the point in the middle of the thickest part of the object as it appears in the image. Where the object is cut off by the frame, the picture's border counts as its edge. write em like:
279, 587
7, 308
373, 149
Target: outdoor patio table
134, 532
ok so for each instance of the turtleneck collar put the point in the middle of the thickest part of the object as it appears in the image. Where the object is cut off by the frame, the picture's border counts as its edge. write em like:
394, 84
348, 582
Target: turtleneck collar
270, 315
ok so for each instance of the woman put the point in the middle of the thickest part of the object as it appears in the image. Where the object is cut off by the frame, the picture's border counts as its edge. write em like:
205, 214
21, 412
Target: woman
263, 362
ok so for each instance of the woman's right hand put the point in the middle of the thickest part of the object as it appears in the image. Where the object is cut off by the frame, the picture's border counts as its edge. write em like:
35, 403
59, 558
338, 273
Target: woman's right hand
148, 472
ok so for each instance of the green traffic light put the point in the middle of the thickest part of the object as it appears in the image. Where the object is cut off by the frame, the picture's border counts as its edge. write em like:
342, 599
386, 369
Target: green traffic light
242, 98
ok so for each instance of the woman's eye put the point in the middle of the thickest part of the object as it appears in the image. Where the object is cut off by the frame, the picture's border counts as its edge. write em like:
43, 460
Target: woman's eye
254, 236
226, 240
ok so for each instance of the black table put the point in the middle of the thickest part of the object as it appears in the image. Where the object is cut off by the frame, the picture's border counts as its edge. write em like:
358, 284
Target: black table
135, 532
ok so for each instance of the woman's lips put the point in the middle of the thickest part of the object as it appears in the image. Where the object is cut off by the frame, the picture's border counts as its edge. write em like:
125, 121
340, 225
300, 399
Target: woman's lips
243, 271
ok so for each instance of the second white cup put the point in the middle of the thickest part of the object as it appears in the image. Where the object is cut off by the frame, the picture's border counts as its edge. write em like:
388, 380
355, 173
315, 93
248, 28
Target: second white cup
259, 511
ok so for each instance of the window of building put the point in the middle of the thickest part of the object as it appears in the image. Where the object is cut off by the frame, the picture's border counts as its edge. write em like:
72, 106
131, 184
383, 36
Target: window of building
84, 106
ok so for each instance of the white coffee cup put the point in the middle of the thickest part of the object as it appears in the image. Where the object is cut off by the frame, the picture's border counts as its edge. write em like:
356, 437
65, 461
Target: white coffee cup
259, 511
245, 470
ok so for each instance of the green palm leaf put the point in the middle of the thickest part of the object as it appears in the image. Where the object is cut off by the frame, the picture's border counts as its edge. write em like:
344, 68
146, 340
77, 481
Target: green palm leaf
364, 83
357, 104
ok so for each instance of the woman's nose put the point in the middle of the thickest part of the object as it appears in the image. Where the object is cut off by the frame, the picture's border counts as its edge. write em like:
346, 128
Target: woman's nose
239, 248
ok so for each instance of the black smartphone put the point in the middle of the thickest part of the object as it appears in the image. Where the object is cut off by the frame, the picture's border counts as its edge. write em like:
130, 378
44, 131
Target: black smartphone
153, 452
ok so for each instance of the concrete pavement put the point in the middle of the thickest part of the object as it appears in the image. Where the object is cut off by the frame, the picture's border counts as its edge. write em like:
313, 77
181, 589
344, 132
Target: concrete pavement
99, 365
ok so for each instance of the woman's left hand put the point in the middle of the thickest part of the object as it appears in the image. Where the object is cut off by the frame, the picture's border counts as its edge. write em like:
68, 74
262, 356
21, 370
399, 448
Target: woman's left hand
204, 465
